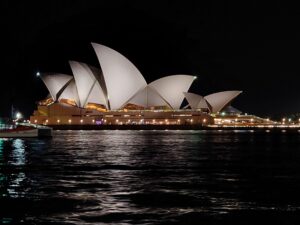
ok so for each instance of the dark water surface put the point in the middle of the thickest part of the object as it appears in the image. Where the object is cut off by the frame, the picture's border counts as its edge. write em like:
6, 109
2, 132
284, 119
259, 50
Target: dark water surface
151, 177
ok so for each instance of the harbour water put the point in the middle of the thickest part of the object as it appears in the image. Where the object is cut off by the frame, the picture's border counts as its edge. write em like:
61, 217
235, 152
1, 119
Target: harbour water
151, 177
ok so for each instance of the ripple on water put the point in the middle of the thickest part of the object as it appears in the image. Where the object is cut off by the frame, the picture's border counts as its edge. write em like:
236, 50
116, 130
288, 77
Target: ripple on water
151, 177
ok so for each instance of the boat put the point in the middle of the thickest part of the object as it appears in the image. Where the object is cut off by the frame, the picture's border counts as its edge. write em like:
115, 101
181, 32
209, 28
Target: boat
24, 130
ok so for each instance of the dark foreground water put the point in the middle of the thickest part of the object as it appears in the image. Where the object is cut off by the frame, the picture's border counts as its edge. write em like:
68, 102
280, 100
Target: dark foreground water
151, 177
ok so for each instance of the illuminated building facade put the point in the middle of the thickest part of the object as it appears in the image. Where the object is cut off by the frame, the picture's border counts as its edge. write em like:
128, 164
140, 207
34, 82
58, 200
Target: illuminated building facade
117, 93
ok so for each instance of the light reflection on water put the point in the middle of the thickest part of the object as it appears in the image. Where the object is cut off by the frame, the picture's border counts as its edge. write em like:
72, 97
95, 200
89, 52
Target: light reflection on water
12, 183
150, 177
18, 152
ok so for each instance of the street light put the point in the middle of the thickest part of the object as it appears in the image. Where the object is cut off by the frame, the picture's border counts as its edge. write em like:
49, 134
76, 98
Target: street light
38, 74
19, 115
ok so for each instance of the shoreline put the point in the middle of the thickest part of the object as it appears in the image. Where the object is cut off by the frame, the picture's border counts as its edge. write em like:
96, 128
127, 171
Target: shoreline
172, 127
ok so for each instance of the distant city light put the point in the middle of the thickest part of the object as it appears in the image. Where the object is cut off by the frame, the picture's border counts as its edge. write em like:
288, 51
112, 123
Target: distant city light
38, 74
19, 115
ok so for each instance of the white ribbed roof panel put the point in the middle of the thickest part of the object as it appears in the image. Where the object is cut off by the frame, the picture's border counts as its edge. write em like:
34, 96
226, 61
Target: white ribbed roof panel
123, 80
193, 99
88, 86
140, 98
171, 88
154, 98
55, 82
203, 104
148, 97
70, 92
221, 99
96, 95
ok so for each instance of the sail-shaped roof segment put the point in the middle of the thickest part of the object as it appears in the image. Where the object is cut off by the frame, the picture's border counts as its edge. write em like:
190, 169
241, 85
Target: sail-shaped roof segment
55, 82
196, 101
171, 88
220, 100
99, 77
193, 99
203, 104
70, 92
123, 80
88, 87
148, 97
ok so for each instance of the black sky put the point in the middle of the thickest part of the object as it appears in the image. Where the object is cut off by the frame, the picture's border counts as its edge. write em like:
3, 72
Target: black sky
244, 45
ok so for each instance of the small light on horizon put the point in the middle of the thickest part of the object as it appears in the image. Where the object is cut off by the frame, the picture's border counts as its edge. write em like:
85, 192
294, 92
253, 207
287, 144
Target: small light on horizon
38, 74
18, 115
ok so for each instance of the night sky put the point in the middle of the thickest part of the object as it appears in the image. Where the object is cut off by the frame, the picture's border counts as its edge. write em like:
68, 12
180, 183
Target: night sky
242, 45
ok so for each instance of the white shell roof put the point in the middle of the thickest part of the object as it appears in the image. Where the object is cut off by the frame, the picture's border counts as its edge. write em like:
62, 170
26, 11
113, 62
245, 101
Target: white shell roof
148, 97
193, 99
203, 104
171, 88
123, 80
120, 82
70, 92
88, 87
196, 101
55, 82
220, 100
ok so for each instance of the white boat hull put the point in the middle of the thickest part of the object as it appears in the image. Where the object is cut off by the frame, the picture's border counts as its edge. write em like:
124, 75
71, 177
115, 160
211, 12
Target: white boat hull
19, 134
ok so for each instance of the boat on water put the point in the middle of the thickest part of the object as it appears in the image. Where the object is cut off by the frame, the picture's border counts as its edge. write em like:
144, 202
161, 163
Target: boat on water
24, 130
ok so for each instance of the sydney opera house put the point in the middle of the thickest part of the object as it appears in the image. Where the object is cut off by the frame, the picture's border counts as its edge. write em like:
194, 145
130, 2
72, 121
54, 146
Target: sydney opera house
118, 94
